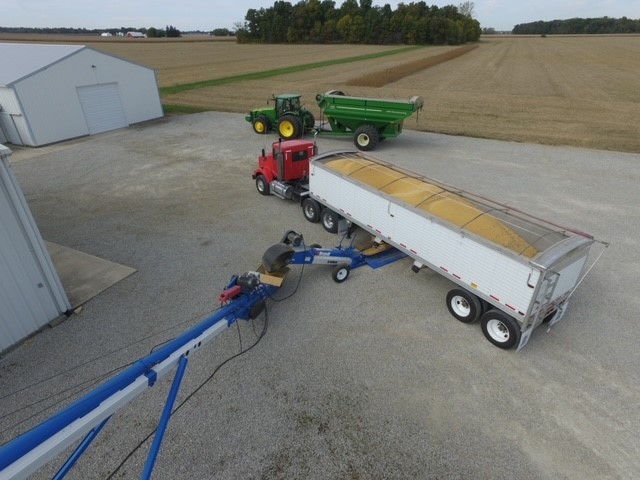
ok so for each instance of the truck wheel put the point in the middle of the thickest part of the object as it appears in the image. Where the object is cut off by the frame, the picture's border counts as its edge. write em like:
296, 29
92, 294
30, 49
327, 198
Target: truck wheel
311, 210
330, 220
464, 306
262, 185
289, 127
260, 125
366, 138
340, 273
500, 329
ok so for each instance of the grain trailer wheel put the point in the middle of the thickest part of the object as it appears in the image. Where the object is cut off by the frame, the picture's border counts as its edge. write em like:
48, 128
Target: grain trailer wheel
262, 185
464, 306
340, 273
311, 210
329, 220
289, 127
500, 329
260, 125
366, 138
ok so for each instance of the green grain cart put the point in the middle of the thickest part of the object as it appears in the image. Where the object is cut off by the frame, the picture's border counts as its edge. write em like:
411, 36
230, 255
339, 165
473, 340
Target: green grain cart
367, 120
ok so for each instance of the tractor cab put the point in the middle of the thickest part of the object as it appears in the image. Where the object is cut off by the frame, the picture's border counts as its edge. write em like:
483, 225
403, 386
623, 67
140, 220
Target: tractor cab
287, 103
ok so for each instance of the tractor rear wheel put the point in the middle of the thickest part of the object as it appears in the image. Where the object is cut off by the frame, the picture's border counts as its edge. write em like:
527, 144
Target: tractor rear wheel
289, 127
366, 137
260, 125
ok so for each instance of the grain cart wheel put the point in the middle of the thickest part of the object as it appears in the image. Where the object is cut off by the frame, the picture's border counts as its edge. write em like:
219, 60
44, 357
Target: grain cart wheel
366, 138
500, 329
464, 306
262, 185
329, 220
308, 121
277, 257
311, 210
340, 273
260, 125
289, 127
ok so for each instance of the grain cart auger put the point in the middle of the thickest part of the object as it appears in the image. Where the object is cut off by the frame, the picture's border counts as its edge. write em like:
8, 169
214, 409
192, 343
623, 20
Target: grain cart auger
287, 117
367, 120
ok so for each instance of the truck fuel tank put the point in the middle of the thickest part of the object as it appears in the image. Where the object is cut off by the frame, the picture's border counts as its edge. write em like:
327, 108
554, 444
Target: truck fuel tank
281, 190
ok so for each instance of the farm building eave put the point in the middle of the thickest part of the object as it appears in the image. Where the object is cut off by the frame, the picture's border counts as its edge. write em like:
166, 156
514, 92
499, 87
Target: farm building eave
22, 60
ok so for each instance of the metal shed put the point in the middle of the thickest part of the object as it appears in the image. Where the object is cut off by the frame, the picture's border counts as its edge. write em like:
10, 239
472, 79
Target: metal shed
50, 93
31, 294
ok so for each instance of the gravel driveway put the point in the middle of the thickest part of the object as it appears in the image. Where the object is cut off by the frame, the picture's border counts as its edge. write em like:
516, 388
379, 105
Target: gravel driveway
369, 379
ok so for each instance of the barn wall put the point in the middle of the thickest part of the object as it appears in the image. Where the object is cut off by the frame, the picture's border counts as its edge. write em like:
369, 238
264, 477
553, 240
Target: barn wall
50, 98
13, 122
31, 294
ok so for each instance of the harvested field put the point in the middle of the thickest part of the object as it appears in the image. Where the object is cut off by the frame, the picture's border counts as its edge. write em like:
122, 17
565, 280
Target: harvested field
180, 63
560, 90
580, 91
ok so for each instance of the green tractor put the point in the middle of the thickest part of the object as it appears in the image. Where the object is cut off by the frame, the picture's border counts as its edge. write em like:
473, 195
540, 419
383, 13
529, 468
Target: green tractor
288, 117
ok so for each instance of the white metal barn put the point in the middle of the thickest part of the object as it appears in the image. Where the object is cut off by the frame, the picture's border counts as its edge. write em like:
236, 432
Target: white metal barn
31, 294
50, 93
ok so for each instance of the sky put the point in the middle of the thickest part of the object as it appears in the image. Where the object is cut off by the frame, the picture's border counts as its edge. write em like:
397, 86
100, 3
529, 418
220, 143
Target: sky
206, 15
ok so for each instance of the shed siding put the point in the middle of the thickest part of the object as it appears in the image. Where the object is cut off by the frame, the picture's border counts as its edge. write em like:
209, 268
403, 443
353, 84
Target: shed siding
31, 294
14, 122
50, 101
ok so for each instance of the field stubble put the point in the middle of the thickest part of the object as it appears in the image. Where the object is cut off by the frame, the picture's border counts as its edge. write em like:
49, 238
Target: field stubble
562, 90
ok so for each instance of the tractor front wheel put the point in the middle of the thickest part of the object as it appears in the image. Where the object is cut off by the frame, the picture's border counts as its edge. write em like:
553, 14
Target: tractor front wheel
289, 127
261, 125
366, 137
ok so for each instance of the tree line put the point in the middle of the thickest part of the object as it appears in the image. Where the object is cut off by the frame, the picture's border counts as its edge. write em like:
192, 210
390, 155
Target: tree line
578, 26
169, 31
319, 21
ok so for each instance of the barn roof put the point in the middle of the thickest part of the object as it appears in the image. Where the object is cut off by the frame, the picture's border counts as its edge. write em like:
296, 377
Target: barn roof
19, 60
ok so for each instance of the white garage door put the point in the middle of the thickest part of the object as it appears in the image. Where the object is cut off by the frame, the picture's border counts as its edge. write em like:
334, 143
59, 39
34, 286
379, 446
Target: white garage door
102, 107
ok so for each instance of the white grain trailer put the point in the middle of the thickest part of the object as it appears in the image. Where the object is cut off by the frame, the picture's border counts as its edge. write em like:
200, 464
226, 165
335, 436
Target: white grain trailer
513, 271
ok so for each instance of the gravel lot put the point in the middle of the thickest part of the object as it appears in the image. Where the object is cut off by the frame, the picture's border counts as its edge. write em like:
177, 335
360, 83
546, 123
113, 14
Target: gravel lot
369, 379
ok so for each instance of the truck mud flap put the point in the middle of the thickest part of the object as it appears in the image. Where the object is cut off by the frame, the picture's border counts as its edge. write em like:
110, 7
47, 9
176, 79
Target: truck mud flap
524, 338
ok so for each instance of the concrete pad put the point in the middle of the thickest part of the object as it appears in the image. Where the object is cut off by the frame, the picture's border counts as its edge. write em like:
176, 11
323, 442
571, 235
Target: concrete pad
84, 276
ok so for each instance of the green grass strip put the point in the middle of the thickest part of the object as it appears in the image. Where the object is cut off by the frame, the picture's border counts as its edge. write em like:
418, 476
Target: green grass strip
278, 71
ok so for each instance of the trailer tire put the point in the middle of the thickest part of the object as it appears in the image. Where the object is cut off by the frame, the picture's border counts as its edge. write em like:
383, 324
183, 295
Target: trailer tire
277, 257
262, 185
366, 138
260, 125
289, 127
500, 329
464, 306
311, 210
340, 273
329, 220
